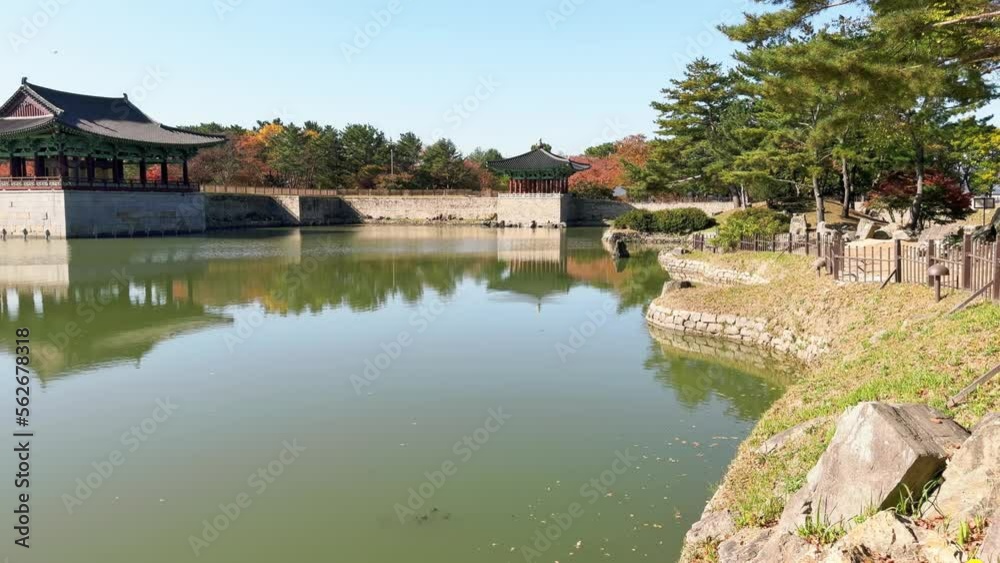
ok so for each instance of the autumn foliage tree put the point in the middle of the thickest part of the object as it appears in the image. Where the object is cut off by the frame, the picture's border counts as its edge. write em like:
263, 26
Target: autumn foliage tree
944, 200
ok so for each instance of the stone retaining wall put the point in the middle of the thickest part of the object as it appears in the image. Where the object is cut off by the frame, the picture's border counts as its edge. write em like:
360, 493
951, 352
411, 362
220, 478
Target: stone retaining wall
757, 332
600, 211
470, 209
702, 272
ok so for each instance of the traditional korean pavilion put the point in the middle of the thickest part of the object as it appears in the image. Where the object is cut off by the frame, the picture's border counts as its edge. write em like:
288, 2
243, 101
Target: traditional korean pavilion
55, 139
538, 172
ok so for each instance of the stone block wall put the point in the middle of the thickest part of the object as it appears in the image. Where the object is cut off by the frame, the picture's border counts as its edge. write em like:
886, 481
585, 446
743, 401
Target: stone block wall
461, 208
241, 211
756, 332
541, 209
37, 212
91, 214
84, 214
599, 212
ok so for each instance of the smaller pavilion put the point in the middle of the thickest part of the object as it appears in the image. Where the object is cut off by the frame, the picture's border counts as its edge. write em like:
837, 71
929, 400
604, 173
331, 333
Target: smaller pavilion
53, 139
538, 171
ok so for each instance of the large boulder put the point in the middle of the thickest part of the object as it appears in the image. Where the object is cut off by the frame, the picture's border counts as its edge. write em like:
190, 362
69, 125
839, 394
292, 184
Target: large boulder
866, 229
878, 451
744, 546
890, 537
885, 535
768, 546
972, 481
712, 526
799, 226
990, 550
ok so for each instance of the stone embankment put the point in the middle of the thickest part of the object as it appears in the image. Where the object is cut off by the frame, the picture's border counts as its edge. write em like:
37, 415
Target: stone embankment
757, 332
696, 271
760, 332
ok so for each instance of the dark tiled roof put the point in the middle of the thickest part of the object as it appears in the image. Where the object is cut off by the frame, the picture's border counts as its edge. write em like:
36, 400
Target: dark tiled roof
537, 160
24, 124
112, 118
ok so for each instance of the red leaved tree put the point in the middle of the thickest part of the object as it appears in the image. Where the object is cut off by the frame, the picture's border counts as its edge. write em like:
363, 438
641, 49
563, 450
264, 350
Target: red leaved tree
944, 200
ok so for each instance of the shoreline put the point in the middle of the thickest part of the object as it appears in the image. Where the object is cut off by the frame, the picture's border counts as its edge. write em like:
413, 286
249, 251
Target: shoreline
856, 343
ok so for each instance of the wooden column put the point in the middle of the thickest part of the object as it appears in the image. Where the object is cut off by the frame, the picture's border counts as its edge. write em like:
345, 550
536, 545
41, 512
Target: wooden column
39, 166
164, 172
187, 175
63, 165
142, 171
116, 171
91, 169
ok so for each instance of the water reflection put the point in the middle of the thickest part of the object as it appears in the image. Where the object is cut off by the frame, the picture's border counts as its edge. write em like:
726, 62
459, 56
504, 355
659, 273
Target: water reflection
102, 302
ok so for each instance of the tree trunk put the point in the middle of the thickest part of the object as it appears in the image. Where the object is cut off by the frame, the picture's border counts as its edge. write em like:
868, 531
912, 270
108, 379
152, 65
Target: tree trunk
916, 212
820, 205
848, 189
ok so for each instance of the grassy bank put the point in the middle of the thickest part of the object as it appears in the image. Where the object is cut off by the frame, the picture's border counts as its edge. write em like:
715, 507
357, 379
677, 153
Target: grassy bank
894, 345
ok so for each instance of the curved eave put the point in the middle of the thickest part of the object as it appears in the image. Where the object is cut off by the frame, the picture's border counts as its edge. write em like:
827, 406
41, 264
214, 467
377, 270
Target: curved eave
37, 128
113, 139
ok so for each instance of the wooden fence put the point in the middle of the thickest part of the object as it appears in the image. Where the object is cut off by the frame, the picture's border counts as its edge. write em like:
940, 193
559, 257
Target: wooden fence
972, 265
309, 192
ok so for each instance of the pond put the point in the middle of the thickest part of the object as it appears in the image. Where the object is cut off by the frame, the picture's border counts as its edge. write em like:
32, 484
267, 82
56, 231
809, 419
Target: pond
370, 394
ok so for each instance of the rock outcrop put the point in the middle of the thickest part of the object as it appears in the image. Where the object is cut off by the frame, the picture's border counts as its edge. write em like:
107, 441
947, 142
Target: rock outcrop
879, 452
971, 485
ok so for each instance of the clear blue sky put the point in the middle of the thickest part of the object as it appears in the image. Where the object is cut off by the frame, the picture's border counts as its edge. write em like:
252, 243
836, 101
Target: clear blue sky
576, 72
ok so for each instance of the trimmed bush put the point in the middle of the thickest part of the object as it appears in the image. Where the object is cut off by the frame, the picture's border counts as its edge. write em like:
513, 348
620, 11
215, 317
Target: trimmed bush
756, 221
637, 220
671, 221
592, 190
683, 221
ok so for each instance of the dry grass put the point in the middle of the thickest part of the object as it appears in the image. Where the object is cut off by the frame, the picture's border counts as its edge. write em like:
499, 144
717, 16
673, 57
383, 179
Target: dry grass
894, 345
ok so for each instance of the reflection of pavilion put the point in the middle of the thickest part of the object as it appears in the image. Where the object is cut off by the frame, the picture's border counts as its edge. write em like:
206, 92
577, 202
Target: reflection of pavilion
150, 290
90, 324
536, 263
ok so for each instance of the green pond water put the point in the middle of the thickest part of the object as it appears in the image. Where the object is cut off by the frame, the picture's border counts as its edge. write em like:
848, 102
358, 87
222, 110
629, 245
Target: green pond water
370, 394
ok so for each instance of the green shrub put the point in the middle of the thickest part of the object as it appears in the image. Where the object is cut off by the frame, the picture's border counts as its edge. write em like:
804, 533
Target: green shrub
683, 221
637, 220
671, 221
593, 190
756, 221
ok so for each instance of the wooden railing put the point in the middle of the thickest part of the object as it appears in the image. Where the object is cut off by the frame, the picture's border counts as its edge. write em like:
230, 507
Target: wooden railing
310, 192
973, 266
57, 183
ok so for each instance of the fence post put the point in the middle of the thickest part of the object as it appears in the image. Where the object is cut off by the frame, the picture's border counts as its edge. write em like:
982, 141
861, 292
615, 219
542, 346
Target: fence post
836, 255
930, 260
807, 243
967, 261
996, 271
899, 260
